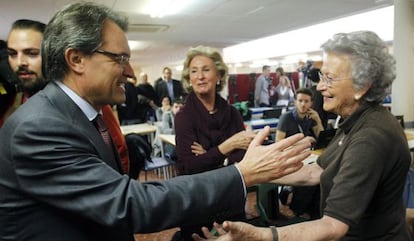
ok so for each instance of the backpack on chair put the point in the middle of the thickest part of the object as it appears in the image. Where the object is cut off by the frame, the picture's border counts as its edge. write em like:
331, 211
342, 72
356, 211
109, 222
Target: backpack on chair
139, 151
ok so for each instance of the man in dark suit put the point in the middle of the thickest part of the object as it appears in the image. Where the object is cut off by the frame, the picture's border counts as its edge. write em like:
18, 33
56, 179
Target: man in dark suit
60, 178
128, 111
167, 86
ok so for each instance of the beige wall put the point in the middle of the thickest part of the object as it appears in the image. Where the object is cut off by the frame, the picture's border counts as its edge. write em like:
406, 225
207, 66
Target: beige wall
403, 86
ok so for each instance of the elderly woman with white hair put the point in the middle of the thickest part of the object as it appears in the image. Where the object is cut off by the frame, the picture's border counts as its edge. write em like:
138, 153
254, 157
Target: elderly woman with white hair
362, 171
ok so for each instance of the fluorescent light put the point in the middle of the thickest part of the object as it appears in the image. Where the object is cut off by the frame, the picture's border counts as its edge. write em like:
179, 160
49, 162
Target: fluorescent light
260, 63
380, 21
179, 67
315, 57
295, 58
161, 8
137, 45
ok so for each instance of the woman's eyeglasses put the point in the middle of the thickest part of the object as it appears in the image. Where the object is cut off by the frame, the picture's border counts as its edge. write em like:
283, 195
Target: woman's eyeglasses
328, 80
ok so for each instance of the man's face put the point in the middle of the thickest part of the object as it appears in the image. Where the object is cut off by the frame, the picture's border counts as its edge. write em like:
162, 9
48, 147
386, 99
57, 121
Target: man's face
176, 107
266, 72
303, 103
24, 58
103, 79
143, 78
167, 74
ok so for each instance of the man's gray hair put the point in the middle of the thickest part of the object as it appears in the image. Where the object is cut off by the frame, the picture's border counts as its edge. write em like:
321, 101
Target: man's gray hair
78, 26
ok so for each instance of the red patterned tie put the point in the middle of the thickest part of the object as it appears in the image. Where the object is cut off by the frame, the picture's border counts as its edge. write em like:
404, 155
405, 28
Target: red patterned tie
103, 130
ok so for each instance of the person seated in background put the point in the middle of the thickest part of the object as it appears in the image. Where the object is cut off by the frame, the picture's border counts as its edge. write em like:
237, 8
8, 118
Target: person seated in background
302, 119
167, 124
303, 201
361, 177
165, 107
58, 164
168, 127
209, 132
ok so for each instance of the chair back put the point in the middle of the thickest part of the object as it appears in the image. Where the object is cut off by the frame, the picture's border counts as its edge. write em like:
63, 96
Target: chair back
400, 119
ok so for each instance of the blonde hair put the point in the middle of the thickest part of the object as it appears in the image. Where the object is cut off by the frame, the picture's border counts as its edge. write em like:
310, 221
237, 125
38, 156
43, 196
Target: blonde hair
211, 53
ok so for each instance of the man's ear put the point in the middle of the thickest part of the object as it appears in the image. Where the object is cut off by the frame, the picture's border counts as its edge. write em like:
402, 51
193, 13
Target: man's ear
75, 60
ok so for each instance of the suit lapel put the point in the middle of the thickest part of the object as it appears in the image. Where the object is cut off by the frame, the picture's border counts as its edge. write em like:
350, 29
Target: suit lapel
79, 121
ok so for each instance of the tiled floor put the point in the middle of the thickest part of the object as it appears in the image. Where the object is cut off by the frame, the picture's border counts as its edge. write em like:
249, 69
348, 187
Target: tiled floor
167, 234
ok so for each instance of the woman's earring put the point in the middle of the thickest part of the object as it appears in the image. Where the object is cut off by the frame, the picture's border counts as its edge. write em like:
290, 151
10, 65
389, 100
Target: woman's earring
357, 97
218, 82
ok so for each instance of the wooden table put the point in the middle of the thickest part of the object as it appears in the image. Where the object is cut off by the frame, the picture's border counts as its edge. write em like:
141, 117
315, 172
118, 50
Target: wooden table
410, 138
141, 129
168, 138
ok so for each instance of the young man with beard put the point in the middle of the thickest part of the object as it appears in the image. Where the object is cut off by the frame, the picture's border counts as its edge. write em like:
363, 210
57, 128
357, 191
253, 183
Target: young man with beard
302, 119
23, 47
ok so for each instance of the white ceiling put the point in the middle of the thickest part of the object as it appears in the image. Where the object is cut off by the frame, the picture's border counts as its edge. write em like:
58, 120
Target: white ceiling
217, 23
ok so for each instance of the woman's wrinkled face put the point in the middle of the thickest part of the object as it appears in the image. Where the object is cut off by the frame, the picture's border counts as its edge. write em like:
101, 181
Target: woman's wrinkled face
336, 85
203, 75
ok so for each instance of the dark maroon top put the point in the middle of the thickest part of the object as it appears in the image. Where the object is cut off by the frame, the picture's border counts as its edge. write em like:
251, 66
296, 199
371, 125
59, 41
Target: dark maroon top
194, 123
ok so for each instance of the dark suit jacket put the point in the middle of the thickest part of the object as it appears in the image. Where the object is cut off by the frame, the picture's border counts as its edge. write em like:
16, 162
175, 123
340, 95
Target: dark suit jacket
161, 89
129, 110
58, 183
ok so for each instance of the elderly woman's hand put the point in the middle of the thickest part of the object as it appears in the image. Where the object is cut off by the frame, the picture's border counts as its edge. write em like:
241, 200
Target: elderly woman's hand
236, 231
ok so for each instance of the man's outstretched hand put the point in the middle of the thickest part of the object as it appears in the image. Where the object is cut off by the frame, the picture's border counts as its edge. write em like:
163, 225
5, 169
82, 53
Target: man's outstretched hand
264, 163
